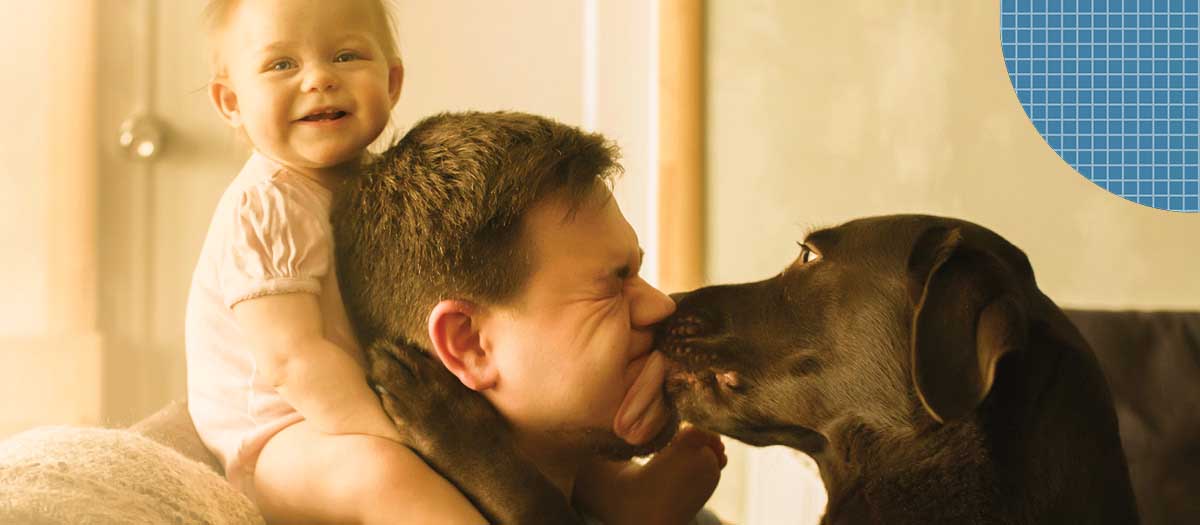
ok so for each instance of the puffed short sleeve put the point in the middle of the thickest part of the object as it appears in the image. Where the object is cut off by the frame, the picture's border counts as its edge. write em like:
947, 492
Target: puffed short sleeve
276, 244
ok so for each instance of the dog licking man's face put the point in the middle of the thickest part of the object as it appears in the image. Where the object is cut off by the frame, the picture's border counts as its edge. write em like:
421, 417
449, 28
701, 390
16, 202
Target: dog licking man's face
821, 350
733, 371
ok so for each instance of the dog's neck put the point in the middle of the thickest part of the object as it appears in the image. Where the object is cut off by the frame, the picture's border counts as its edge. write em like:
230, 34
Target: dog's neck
873, 478
1052, 432
1044, 444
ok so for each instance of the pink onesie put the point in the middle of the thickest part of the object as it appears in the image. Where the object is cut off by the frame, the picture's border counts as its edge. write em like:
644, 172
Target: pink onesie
269, 235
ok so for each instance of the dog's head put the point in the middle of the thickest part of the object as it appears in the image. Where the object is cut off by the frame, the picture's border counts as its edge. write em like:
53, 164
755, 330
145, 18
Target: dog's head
879, 321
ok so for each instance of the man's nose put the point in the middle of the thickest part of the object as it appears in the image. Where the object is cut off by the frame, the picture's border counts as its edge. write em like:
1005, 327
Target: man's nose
649, 305
319, 78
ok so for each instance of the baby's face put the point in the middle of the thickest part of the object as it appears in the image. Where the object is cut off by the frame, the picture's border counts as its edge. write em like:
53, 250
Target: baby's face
311, 83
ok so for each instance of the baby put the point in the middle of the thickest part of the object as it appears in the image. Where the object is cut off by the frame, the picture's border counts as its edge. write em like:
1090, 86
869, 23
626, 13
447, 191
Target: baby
276, 384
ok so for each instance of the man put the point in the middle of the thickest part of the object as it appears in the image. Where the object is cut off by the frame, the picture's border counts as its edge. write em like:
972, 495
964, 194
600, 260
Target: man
492, 241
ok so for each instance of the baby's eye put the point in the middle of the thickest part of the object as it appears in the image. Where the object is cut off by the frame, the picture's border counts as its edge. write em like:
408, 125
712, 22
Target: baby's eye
281, 65
346, 57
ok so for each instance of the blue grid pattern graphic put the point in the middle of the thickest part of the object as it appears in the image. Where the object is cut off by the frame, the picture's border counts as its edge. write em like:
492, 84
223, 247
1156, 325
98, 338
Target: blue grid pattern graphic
1112, 86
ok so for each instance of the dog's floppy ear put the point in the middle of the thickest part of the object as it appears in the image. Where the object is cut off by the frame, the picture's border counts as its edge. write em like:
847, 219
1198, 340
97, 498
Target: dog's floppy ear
967, 316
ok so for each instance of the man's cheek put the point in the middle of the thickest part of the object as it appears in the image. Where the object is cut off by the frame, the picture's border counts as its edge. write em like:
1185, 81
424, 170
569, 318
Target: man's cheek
599, 396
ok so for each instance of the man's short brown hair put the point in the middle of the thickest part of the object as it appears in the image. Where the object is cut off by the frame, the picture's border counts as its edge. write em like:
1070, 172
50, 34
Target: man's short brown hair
439, 215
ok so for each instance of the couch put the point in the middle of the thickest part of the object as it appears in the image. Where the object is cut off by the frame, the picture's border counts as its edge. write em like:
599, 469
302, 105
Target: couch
1152, 363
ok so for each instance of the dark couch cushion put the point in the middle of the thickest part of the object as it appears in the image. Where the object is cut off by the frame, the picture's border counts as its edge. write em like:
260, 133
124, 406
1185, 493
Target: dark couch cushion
1152, 363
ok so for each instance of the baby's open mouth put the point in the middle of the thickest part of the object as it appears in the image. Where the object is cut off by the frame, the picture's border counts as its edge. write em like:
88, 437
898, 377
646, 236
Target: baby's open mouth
324, 115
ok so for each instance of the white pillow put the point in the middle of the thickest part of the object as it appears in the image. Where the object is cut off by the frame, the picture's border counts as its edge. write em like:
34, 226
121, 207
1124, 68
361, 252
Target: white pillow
74, 475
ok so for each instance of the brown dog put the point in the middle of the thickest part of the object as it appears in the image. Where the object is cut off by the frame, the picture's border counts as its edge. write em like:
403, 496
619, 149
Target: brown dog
916, 360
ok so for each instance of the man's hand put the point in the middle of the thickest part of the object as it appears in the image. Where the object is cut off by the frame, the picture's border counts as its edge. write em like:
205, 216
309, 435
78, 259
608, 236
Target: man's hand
685, 473
670, 489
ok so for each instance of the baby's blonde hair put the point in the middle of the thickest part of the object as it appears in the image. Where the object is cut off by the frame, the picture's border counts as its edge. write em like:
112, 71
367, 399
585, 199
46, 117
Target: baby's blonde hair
218, 12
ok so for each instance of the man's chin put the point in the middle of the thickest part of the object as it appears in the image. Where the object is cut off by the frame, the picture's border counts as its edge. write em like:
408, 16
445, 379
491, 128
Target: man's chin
656, 443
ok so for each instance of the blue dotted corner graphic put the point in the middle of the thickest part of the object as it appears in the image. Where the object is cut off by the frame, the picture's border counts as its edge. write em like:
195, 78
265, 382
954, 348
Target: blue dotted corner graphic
1112, 87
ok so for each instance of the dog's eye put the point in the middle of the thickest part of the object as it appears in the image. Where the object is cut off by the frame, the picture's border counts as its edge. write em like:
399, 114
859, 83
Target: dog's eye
807, 254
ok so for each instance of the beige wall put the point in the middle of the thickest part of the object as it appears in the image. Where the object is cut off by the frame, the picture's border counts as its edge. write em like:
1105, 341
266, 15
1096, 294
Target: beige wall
584, 62
50, 352
23, 298
823, 111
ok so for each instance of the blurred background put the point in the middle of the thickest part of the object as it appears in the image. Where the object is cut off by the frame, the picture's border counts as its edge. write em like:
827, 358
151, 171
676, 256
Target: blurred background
812, 113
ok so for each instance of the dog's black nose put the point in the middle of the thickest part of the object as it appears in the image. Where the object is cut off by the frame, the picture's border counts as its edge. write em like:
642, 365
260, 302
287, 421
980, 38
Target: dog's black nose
699, 313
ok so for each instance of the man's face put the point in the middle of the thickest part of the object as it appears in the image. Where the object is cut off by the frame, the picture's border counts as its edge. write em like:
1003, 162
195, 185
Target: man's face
572, 342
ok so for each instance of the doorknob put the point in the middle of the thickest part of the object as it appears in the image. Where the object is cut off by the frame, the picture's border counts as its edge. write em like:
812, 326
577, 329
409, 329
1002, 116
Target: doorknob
141, 136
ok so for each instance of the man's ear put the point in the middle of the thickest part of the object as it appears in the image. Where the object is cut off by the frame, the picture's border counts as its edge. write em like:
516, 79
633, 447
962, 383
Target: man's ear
395, 81
225, 101
454, 333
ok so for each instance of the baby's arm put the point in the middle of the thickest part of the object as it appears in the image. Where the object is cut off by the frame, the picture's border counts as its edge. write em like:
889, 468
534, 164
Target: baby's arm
319, 379
341, 478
